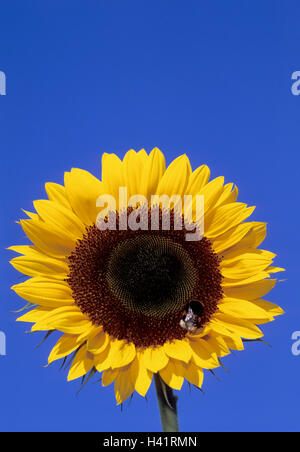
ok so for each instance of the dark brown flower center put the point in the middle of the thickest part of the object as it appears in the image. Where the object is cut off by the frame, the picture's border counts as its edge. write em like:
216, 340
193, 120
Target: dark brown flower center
151, 275
137, 284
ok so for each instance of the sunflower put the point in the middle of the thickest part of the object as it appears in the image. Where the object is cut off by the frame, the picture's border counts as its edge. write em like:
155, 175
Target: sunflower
122, 298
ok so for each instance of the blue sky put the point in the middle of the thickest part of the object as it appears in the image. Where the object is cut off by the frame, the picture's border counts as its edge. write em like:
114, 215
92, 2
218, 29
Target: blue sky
210, 79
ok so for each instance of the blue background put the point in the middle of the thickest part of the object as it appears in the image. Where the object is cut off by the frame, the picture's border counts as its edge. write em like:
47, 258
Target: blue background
208, 78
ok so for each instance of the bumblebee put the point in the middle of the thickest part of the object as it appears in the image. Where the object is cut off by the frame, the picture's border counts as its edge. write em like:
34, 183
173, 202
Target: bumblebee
191, 319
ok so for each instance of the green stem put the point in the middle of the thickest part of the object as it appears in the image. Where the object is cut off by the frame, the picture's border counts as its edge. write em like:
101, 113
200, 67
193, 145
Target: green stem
167, 403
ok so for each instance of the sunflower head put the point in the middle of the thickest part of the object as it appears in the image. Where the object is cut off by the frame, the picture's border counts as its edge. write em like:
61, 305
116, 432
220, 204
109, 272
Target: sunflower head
135, 296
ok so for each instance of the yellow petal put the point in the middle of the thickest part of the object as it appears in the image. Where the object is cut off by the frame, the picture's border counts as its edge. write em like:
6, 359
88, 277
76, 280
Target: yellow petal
113, 175
271, 308
83, 190
86, 334
198, 179
240, 327
231, 339
175, 178
23, 249
251, 291
64, 347
154, 359
218, 344
54, 243
223, 218
229, 195
121, 353
242, 265
234, 342
178, 349
39, 264
58, 194
233, 256
81, 365
272, 270
143, 376
211, 193
34, 315
139, 375
240, 282
152, 173
108, 376
243, 309
124, 383
102, 360
231, 237
98, 342
203, 355
134, 164
45, 292
254, 237
68, 319
32, 215
194, 374
60, 218
173, 374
